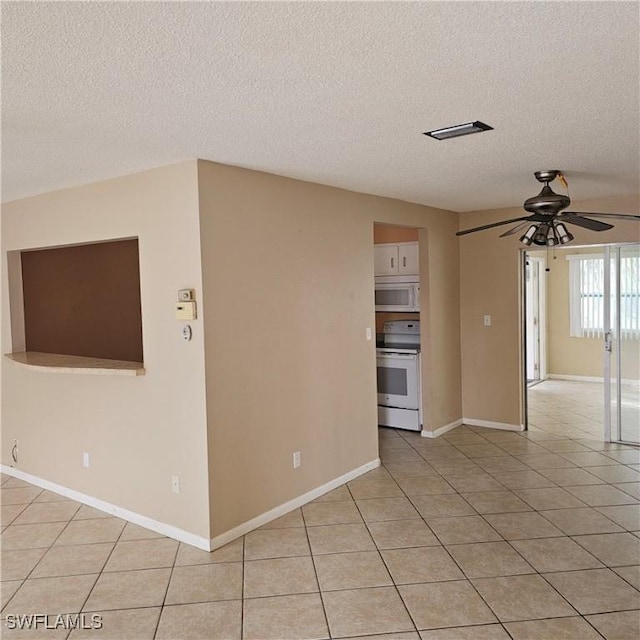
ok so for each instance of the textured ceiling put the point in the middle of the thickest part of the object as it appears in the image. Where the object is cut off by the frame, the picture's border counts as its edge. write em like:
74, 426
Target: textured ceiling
336, 93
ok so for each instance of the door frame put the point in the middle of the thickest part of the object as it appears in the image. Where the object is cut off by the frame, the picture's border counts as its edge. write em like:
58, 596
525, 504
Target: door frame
541, 302
522, 266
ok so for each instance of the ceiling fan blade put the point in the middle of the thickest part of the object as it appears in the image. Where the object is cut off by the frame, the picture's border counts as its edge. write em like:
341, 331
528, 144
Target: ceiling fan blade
490, 226
518, 227
587, 223
617, 216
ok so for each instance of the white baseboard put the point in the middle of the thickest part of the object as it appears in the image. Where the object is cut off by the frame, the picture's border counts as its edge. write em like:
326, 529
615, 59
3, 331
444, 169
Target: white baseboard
112, 509
180, 534
562, 376
440, 430
283, 509
472, 422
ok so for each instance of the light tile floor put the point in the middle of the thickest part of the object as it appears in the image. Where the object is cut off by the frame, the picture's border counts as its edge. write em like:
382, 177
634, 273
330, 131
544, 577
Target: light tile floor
479, 534
576, 408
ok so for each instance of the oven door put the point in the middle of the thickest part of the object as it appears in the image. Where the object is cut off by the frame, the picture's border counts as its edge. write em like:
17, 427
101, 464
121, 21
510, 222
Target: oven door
398, 380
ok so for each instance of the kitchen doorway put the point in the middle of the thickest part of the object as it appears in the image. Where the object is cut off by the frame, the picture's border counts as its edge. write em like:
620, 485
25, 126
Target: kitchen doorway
396, 260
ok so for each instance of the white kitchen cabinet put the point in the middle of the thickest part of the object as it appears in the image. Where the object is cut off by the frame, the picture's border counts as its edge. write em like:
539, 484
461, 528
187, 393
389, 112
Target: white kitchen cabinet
396, 259
385, 259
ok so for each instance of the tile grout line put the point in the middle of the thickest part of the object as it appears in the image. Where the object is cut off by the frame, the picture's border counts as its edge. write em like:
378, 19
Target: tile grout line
473, 586
536, 571
51, 545
315, 572
101, 572
166, 591
395, 586
244, 565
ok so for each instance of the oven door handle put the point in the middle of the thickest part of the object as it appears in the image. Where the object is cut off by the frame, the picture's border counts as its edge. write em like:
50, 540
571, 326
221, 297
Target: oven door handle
397, 356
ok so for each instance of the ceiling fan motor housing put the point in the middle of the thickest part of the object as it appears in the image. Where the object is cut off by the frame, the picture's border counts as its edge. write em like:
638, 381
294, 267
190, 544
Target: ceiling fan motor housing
547, 201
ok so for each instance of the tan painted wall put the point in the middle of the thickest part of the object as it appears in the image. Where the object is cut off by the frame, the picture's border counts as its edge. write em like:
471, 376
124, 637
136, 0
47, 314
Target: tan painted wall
490, 284
567, 355
288, 293
138, 431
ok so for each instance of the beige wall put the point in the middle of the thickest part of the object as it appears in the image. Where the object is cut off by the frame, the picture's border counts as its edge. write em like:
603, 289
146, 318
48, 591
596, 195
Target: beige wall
138, 431
573, 356
286, 296
288, 293
490, 284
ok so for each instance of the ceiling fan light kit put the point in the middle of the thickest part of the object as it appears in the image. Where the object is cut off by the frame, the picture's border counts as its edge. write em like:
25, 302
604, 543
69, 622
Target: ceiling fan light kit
548, 228
564, 235
527, 238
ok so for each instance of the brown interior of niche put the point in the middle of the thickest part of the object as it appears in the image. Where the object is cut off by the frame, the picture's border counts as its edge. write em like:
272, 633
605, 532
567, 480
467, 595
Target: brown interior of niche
383, 233
84, 300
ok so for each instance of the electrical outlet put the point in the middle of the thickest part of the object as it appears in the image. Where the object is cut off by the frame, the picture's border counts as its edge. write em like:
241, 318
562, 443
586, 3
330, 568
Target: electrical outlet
175, 484
487, 321
85, 459
296, 459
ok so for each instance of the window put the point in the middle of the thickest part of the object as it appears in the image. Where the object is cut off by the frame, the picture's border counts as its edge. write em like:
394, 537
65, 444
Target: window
586, 295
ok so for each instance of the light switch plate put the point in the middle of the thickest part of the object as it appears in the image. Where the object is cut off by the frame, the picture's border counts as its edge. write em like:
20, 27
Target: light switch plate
185, 310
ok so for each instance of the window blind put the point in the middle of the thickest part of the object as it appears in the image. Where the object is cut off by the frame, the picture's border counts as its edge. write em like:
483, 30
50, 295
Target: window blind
586, 296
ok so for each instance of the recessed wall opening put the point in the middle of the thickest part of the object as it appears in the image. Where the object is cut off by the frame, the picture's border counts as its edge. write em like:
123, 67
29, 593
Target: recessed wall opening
78, 300
398, 337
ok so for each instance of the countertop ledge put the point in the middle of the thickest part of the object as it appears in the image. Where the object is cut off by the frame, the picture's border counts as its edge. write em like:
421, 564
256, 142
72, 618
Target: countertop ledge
59, 363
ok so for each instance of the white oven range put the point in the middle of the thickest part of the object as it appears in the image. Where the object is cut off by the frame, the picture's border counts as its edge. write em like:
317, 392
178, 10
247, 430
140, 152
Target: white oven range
398, 376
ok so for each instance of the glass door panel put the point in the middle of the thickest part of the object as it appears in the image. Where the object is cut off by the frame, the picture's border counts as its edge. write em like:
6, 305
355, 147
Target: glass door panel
622, 343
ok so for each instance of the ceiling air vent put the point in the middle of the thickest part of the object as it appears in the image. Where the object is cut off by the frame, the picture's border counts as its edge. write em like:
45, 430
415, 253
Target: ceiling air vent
458, 130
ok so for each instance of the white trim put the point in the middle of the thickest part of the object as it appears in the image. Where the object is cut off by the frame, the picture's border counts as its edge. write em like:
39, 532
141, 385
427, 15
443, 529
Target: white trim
112, 509
440, 430
562, 376
472, 422
181, 534
285, 508
585, 256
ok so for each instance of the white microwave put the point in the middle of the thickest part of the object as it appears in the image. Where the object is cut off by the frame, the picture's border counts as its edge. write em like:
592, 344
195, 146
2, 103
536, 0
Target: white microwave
397, 293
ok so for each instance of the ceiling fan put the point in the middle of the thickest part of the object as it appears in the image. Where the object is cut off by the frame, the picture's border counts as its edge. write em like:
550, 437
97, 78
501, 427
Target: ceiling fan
548, 218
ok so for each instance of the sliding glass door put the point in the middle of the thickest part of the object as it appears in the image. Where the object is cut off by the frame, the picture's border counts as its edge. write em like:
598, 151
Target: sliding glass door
621, 303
